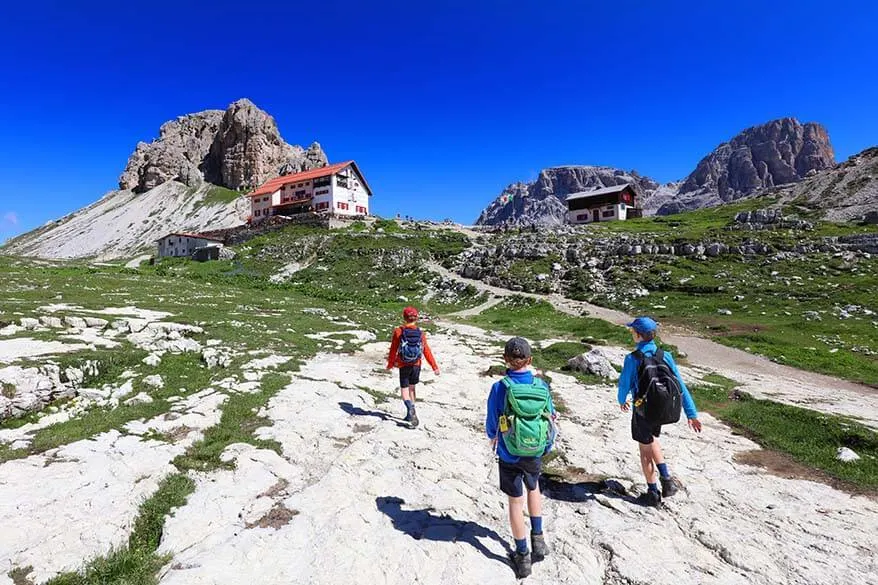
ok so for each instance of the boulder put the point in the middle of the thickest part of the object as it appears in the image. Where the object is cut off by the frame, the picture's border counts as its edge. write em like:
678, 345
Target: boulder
593, 362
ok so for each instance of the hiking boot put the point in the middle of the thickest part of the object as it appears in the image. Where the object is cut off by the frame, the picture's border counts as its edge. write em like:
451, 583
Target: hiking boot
408, 416
413, 420
669, 487
539, 548
651, 498
520, 564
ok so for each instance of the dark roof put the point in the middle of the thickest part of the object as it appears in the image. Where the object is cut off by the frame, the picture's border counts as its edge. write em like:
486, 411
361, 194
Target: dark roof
597, 192
188, 235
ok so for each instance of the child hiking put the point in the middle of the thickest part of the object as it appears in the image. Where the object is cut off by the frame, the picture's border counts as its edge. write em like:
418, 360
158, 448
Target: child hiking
408, 346
520, 424
650, 377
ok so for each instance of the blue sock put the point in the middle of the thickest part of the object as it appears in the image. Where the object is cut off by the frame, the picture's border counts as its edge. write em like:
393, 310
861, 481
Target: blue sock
536, 524
521, 546
653, 487
409, 405
663, 470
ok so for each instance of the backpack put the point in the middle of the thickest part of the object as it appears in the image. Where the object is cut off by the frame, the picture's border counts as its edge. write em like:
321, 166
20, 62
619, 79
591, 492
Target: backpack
528, 418
659, 397
410, 345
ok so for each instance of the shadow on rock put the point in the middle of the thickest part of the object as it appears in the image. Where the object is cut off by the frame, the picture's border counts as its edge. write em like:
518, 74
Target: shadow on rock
422, 525
564, 490
357, 411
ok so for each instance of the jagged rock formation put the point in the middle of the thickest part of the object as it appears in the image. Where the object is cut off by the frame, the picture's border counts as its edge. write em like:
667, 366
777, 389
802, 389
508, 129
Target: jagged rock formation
847, 192
777, 153
238, 149
186, 180
542, 202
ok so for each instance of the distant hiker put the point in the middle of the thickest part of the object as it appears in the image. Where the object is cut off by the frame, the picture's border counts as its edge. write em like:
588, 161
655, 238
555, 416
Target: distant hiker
521, 425
408, 346
650, 376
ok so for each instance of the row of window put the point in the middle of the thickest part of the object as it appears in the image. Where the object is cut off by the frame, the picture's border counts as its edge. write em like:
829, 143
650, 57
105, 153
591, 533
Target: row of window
321, 192
294, 185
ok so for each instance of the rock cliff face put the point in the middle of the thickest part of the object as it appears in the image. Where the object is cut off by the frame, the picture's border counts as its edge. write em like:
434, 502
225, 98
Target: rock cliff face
777, 153
238, 149
542, 202
188, 179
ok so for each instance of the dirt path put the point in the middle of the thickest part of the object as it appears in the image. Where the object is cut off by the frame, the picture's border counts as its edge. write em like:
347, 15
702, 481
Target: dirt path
757, 375
357, 497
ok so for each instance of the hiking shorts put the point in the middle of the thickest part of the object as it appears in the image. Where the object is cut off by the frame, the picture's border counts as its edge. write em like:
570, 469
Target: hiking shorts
514, 476
409, 376
643, 431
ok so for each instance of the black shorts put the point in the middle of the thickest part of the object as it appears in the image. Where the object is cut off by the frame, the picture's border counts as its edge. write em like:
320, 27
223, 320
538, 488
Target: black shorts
526, 471
643, 431
409, 376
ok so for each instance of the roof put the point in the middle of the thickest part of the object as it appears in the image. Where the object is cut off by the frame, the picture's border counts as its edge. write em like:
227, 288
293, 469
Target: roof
274, 184
604, 191
188, 235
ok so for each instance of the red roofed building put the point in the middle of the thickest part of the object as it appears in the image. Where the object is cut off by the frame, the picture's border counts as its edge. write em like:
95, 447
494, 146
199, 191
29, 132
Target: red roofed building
339, 189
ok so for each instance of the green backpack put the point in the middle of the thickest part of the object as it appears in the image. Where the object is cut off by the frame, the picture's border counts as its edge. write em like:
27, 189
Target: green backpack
528, 418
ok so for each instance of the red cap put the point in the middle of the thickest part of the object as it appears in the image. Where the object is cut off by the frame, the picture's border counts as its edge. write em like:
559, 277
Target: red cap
410, 313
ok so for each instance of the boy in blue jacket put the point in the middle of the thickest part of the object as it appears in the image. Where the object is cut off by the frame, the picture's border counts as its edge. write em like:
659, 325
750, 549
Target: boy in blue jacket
518, 472
643, 330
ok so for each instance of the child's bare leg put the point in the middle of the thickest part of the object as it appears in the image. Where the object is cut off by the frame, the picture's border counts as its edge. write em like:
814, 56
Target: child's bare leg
412, 393
534, 503
406, 393
657, 455
647, 463
516, 518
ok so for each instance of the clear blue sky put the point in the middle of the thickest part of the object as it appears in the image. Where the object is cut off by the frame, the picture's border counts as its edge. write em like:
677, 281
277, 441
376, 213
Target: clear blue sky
441, 103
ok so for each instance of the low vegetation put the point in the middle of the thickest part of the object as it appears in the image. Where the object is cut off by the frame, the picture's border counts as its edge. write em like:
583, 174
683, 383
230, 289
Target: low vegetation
137, 563
809, 437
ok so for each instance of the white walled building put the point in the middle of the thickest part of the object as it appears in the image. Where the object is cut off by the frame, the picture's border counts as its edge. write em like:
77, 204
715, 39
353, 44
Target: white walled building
339, 189
619, 202
184, 245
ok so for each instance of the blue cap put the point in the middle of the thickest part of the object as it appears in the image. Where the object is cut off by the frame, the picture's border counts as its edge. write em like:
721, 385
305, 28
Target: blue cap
643, 325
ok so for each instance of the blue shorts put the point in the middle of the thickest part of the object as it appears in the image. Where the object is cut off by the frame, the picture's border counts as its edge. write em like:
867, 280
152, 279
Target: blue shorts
515, 476
409, 376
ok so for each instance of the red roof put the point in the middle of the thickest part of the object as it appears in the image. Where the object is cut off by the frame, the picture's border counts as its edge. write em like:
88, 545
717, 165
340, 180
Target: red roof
274, 184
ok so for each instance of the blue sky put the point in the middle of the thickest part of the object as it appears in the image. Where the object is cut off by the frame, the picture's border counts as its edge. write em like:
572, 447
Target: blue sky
441, 103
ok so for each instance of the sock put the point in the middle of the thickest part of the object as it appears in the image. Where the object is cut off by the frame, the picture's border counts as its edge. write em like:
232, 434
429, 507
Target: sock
653, 487
663, 470
409, 405
521, 546
536, 524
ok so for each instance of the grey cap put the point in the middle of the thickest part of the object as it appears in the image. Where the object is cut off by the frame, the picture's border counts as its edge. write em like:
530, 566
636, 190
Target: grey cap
517, 348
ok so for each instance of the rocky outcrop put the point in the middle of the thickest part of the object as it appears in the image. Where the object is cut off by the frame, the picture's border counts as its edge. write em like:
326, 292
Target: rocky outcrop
542, 202
177, 154
189, 179
777, 153
238, 149
849, 192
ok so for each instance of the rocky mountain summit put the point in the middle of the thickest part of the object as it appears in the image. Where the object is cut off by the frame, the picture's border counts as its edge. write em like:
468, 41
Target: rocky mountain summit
780, 152
777, 153
190, 179
542, 201
238, 149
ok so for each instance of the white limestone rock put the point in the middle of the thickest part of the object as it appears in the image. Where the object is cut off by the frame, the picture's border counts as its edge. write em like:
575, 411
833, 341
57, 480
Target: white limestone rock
154, 381
594, 362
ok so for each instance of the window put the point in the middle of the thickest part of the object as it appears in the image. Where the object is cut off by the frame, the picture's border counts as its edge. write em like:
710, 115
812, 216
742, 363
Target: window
321, 192
300, 193
342, 182
258, 212
264, 199
610, 213
322, 182
344, 206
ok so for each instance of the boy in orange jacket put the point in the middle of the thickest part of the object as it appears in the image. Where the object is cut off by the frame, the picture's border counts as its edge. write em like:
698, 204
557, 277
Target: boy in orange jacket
408, 347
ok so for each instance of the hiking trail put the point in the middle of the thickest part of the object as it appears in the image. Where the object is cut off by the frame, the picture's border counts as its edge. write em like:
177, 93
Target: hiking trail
757, 375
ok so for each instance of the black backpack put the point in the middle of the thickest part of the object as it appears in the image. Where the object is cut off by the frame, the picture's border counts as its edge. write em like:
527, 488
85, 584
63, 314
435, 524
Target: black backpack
659, 397
410, 345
